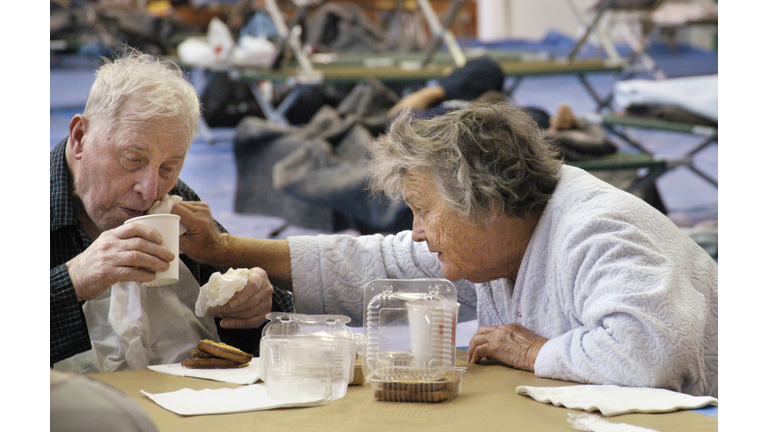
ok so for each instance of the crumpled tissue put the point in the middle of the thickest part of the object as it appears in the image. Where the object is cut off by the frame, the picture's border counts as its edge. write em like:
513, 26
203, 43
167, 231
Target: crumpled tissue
164, 206
220, 289
613, 400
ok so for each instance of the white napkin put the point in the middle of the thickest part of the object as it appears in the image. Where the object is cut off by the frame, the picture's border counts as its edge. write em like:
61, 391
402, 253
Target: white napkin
225, 401
593, 423
244, 375
164, 206
220, 288
613, 400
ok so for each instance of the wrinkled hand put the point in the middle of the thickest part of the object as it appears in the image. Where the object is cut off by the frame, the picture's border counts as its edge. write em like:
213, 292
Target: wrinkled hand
249, 307
203, 239
130, 252
511, 344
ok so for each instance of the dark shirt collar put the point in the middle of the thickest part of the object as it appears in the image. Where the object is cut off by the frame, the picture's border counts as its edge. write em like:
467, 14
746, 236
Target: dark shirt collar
62, 203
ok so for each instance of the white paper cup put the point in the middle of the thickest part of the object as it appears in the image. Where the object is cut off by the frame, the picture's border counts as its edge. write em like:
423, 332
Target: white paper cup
168, 227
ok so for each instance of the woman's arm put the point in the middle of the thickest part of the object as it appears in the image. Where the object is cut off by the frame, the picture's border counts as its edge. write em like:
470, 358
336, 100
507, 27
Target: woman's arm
204, 242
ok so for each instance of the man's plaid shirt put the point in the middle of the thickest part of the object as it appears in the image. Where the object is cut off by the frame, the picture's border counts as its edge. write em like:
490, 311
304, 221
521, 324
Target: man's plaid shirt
69, 333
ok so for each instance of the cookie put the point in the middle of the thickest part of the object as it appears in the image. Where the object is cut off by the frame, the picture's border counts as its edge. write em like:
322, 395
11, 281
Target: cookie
198, 353
211, 363
225, 351
359, 376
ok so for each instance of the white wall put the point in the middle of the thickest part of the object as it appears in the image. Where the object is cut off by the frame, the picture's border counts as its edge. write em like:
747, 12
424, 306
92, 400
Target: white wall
533, 19
528, 19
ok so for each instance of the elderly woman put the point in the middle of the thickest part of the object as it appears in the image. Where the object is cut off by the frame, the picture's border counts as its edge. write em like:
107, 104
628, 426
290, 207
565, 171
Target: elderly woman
575, 279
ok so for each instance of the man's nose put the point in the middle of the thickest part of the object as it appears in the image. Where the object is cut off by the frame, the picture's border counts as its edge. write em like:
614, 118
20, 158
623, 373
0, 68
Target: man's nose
147, 184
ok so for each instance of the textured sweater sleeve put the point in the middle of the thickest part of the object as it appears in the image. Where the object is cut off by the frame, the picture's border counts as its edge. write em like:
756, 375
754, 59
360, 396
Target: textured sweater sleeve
635, 317
330, 272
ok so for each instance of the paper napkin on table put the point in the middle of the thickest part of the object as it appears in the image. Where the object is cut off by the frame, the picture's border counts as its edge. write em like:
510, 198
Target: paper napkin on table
595, 423
613, 400
243, 375
248, 398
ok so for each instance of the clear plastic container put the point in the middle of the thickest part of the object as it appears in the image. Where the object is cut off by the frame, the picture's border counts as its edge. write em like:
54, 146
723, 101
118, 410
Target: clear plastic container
307, 355
410, 330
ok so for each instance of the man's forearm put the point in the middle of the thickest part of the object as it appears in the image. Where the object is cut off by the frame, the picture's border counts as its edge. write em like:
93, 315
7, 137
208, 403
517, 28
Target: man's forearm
69, 332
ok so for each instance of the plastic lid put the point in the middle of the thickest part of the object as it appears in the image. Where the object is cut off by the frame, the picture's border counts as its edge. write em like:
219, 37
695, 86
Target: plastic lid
291, 324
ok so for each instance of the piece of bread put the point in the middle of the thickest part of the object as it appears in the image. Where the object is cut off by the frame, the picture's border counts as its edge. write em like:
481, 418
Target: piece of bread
225, 351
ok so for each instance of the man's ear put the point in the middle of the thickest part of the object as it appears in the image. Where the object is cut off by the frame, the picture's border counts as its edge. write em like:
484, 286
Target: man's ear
77, 127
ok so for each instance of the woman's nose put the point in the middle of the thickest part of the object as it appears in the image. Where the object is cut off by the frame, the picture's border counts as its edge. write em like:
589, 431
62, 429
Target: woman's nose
418, 234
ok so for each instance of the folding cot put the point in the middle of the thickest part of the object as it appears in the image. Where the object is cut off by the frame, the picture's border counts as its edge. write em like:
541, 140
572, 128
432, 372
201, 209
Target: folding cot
619, 125
391, 68
431, 64
640, 22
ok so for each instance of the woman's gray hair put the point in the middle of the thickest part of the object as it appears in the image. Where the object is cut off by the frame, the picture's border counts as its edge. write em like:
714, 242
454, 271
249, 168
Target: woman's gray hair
141, 86
484, 159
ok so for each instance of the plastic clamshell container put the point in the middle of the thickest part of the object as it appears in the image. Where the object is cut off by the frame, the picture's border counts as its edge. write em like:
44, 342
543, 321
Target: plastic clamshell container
440, 390
410, 327
307, 356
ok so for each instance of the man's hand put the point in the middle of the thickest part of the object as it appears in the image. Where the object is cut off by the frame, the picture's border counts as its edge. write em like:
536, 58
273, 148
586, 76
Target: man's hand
249, 307
203, 240
132, 252
511, 344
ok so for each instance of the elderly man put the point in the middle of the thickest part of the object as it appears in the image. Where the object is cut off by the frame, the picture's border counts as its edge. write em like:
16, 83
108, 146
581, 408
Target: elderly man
124, 153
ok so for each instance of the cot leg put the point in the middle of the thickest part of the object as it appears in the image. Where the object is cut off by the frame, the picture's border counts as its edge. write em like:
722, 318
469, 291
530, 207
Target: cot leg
632, 142
510, 89
701, 146
601, 103
441, 33
587, 31
271, 113
436, 40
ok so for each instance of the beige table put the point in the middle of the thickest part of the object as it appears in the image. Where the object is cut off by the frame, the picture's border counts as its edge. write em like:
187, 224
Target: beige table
487, 402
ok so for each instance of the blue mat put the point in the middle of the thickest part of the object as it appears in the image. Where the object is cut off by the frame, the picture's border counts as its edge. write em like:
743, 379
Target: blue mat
710, 411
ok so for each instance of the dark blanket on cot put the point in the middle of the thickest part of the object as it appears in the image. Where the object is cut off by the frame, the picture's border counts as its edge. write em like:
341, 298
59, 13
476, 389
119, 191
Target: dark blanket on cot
314, 175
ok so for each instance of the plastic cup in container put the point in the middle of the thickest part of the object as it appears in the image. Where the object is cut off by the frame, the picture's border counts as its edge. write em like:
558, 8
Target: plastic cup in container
168, 227
455, 322
420, 322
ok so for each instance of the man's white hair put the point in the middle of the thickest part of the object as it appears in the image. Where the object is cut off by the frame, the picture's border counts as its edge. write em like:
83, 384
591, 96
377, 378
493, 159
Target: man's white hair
142, 87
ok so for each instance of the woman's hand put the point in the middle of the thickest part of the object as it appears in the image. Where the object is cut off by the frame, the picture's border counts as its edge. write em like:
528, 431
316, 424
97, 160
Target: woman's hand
203, 241
511, 344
